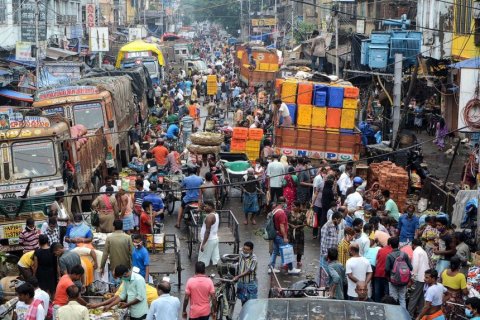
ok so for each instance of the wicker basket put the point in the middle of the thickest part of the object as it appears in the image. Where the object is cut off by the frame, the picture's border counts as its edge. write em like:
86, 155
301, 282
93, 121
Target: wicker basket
198, 149
207, 138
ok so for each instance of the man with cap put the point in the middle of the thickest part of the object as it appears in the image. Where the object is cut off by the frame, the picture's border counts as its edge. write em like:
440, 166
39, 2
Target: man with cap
357, 182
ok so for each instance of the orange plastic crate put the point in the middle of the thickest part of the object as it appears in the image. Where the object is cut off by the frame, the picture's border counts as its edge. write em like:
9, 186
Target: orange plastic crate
334, 116
305, 93
255, 134
240, 133
278, 86
238, 145
351, 92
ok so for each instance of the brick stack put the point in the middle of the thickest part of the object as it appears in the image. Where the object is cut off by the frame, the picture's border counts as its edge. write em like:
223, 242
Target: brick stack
390, 177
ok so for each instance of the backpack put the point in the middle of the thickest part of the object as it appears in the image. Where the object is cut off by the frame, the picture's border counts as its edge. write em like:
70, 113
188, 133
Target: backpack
400, 274
269, 231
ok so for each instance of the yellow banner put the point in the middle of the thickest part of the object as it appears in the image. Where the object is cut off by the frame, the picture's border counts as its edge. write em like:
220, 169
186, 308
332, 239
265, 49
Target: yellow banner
264, 22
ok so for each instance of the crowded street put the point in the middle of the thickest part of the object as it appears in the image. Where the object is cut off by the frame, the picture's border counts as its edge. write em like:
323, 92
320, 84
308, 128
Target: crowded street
218, 162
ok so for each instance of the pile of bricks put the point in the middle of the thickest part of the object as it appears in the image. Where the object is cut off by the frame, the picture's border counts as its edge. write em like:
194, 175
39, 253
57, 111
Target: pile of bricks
390, 177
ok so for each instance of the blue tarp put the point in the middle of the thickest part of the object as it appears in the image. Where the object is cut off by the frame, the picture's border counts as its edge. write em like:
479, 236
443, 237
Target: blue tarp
30, 64
15, 95
469, 63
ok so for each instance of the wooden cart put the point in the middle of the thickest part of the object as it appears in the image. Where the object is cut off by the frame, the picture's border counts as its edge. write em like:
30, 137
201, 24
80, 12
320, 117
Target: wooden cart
227, 230
166, 261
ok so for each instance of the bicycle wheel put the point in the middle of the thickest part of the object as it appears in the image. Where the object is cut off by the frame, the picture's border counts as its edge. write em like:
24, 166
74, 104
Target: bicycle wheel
232, 299
170, 203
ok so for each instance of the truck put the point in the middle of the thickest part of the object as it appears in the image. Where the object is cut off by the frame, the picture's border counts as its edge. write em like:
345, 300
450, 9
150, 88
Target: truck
258, 65
99, 102
34, 154
142, 52
195, 65
317, 144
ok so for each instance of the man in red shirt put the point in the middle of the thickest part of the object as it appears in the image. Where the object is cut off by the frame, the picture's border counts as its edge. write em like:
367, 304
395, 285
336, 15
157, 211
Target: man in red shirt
67, 280
200, 292
146, 218
380, 281
280, 220
160, 153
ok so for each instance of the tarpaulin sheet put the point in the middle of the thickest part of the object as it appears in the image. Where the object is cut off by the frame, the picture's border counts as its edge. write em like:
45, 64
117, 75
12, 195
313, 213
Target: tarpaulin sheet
15, 95
142, 83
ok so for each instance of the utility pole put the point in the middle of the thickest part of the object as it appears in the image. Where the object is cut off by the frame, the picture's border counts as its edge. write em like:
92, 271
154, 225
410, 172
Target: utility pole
241, 19
276, 26
249, 21
397, 93
337, 69
37, 46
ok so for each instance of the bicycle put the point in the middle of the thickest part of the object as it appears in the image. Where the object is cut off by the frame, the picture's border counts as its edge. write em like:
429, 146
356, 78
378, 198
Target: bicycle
225, 296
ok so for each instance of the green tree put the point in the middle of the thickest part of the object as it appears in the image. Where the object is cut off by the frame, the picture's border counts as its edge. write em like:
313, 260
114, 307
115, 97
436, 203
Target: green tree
224, 12
303, 31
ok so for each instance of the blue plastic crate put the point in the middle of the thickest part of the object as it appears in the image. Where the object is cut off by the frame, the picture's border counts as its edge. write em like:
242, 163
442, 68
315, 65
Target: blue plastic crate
335, 97
292, 108
320, 99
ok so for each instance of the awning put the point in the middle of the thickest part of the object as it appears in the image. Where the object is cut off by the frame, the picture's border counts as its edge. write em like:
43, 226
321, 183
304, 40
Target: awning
57, 53
15, 95
473, 63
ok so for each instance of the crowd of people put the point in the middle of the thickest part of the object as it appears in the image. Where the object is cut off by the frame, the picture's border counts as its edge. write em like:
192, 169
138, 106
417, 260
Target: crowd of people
369, 249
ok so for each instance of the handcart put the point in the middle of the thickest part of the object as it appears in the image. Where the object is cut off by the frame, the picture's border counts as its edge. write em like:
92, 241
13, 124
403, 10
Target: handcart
166, 260
228, 231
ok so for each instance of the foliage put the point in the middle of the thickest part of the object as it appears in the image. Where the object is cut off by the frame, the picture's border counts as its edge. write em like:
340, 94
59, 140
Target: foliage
224, 12
303, 31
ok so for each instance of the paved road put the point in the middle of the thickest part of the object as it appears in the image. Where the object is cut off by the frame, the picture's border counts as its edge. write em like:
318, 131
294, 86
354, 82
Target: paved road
251, 233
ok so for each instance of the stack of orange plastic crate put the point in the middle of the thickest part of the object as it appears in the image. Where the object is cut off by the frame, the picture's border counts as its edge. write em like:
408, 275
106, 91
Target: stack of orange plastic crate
239, 140
390, 177
253, 143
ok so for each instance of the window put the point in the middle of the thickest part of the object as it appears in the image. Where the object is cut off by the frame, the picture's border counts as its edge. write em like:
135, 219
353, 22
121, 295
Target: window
33, 159
463, 16
3, 12
90, 115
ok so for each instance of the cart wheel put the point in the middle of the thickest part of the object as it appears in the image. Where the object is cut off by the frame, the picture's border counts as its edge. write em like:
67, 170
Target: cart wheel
190, 242
170, 200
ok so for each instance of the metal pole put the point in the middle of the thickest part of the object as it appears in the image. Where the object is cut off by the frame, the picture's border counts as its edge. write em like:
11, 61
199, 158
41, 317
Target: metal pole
249, 20
276, 26
37, 46
337, 68
293, 42
241, 19
397, 93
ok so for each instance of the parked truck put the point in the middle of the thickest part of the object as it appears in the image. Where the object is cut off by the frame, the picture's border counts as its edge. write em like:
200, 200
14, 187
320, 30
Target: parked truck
258, 65
102, 102
35, 153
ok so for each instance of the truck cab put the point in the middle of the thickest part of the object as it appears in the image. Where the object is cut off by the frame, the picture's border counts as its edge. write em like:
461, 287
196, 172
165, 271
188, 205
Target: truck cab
181, 51
195, 66
150, 62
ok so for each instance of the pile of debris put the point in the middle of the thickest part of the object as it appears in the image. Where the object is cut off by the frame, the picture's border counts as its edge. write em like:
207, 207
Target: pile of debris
392, 178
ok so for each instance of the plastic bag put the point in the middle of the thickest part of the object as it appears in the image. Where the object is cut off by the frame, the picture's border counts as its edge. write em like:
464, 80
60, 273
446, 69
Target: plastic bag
312, 220
286, 252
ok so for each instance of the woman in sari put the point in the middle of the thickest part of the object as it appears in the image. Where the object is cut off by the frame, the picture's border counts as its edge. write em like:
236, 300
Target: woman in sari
290, 182
456, 285
79, 233
440, 134
107, 208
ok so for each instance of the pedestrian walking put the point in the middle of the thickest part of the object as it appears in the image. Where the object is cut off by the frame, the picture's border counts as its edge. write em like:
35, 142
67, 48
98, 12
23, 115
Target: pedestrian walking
398, 270
420, 266
165, 307
200, 294
247, 284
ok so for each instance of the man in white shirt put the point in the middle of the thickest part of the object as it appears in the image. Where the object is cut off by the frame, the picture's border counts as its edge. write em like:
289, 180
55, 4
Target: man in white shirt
109, 182
344, 181
357, 269
35, 309
275, 172
361, 237
179, 95
39, 293
282, 113
354, 201
420, 264
433, 296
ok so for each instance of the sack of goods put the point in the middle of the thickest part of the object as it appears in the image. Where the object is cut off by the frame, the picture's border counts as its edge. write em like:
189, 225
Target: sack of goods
198, 149
207, 138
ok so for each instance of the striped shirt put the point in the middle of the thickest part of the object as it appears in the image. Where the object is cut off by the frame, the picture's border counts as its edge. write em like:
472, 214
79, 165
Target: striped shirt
248, 263
343, 251
29, 239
